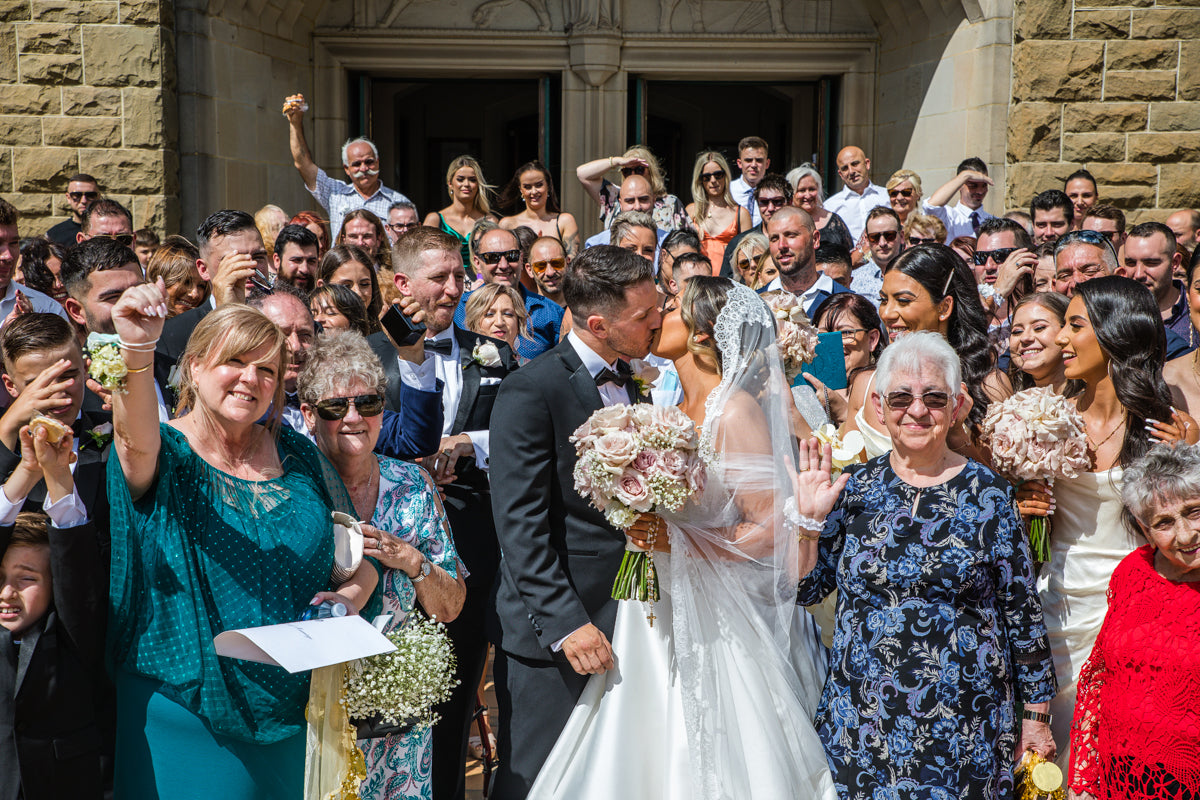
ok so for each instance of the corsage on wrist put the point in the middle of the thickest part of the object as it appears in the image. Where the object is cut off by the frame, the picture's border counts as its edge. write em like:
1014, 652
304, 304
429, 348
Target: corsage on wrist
107, 365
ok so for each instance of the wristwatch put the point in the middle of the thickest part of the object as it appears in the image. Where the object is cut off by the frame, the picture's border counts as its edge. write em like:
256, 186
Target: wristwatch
1035, 716
426, 568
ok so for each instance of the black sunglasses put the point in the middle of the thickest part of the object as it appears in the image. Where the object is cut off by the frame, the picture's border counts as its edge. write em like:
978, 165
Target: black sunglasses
77, 196
120, 238
368, 405
900, 401
770, 202
634, 170
918, 240
999, 255
513, 256
711, 176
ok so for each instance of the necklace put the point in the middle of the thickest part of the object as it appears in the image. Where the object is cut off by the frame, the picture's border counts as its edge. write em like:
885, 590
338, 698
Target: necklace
1195, 371
1097, 445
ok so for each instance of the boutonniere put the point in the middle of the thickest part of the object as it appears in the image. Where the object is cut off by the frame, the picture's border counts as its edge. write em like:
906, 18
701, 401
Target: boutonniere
101, 435
173, 378
644, 375
486, 354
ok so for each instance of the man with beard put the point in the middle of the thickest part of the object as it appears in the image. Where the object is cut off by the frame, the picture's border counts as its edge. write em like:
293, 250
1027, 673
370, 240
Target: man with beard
547, 265
794, 240
360, 160
859, 195
295, 258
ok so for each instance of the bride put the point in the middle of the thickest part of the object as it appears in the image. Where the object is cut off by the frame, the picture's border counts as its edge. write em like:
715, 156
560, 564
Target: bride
714, 696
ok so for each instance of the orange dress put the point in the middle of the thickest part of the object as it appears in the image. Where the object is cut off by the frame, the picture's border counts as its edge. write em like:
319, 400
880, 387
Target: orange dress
713, 247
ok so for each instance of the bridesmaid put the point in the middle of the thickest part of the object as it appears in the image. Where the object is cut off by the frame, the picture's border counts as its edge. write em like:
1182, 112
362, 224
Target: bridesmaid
533, 184
468, 203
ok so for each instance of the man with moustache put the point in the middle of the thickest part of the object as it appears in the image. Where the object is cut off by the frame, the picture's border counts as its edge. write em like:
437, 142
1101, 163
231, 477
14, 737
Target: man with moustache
794, 240
295, 257
360, 160
554, 613
859, 195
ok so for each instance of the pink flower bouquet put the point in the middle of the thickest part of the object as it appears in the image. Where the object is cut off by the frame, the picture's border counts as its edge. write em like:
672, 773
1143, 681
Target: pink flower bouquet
634, 460
1036, 435
797, 338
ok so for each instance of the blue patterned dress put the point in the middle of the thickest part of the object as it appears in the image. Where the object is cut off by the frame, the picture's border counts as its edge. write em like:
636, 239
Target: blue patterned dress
399, 766
938, 621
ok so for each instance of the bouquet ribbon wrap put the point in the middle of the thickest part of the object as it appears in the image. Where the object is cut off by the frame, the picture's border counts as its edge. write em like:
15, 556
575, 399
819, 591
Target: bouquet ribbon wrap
333, 765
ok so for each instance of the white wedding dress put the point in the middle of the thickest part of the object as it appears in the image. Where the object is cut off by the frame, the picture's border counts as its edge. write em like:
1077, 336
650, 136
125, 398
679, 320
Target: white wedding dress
714, 701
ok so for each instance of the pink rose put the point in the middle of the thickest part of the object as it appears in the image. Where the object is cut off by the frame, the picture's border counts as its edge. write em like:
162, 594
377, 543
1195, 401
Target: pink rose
631, 490
673, 464
615, 450
697, 476
645, 461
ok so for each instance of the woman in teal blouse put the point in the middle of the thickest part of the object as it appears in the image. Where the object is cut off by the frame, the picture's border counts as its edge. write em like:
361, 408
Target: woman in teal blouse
218, 522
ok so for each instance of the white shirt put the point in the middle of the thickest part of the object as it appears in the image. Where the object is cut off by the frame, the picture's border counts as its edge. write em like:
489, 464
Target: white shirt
42, 304
743, 195
957, 219
448, 370
824, 284
853, 207
66, 512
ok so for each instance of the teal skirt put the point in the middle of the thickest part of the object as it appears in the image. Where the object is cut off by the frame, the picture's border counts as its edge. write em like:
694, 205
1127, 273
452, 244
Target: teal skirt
165, 752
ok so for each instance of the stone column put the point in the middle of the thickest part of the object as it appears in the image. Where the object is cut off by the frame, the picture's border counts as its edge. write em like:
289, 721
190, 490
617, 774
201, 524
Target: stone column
593, 116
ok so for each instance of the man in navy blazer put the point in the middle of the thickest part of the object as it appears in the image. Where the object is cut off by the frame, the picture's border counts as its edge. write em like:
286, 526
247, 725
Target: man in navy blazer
794, 240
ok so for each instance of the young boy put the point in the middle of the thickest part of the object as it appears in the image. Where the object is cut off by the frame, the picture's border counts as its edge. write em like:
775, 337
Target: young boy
54, 699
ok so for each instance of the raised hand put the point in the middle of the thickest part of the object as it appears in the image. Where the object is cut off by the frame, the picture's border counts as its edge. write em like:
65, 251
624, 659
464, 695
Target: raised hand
43, 395
229, 281
1020, 262
294, 107
1181, 428
816, 490
139, 314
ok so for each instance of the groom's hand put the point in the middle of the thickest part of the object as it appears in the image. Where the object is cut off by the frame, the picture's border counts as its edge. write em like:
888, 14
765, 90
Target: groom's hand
588, 651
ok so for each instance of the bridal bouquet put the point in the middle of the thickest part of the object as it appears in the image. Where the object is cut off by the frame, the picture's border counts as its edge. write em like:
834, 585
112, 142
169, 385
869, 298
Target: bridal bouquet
797, 337
1036, 435
633, 460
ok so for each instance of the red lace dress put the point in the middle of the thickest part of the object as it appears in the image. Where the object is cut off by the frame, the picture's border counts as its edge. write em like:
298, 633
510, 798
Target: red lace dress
1136, 732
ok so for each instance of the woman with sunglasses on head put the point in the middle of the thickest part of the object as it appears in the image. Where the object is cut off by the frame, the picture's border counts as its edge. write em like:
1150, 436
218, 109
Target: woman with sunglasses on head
928, 288
939, 628
713, 212
532, 185
404, 528
808, 194
1112, 344
668, 212
468, 203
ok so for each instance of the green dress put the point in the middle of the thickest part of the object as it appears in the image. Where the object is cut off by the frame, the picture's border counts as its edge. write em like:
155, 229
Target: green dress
200, 553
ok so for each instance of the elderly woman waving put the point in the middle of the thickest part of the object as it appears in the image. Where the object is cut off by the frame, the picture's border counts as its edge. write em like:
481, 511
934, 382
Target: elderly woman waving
938, 621
219, 522
342, 396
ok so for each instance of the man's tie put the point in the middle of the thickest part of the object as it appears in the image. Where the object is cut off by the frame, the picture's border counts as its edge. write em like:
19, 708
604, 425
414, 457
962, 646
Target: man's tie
975, 222
443, 347
620, 377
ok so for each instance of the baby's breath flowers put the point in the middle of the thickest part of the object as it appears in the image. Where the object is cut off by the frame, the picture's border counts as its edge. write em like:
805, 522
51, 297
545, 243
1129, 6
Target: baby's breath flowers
107, 366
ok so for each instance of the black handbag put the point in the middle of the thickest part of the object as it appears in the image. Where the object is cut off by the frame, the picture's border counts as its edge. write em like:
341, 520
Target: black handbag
375, 727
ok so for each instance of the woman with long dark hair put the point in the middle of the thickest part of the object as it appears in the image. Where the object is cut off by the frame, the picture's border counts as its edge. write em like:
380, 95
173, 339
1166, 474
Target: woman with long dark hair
855, 318
1114, 344
532, 186
1183, 374
350, 266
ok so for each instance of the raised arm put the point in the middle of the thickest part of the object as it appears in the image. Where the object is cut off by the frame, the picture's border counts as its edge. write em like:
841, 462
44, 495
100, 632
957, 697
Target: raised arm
591, 174
949, 189
138, 317
293, 109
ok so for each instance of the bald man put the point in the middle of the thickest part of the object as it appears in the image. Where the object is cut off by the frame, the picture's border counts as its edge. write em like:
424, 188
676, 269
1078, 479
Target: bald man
635, 195
859, 196
1186, 226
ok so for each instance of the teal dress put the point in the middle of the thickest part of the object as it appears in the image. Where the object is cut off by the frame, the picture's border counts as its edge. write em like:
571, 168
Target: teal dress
200, 553
464, 242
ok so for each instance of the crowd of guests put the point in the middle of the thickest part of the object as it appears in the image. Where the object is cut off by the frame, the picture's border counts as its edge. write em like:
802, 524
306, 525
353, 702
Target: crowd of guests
281, 367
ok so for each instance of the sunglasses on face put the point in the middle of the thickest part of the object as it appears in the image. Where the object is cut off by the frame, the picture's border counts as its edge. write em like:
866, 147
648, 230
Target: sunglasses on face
711, 176
550, 263
120, 238
368, 405
512, 256
77, 196
634, 170
901, 400
770, 202
894, 193
887, 236
401, 227
916, 240
999, 255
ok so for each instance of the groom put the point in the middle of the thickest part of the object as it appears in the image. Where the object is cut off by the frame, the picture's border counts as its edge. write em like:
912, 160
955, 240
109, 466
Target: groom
554, 614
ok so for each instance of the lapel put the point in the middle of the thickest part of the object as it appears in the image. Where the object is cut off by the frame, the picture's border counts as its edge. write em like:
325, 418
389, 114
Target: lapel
582, 382
471, 373
29, 644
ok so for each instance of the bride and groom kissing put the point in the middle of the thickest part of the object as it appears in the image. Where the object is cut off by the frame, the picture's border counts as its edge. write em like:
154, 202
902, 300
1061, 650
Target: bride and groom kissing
715, 699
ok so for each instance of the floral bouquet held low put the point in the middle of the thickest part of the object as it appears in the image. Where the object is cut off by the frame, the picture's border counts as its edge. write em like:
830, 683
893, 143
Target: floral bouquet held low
637, 460
1036, 435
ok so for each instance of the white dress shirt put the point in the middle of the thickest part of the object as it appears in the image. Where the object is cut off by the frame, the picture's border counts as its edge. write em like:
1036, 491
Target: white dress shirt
824, 284
853, 207
42, 304
448, 370
743, 195
957, 219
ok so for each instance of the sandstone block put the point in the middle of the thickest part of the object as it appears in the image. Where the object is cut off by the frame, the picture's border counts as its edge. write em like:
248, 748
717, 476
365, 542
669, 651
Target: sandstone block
21, 131
1026, 180
8, 55
91, 101
76, 11
1037, 19
51, 69
1159, 147
146, 12
43, 169
1034, 131
14, 11
1139, 85
1143, 55
1057, 70
1179, 186
1094, 146
144, 118
156, 211
124, 170
1103, 24
33, 208
1165, 23
48, 38
22, 99
122, 56
1189, 70
1175, 116
1121, 3
6, 181
82, 131
1104, 117
1124, 174
1130, 196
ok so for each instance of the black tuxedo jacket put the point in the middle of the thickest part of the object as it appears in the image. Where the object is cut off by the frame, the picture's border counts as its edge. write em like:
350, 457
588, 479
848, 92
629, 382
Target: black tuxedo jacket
559, 555
55, 704
177, 330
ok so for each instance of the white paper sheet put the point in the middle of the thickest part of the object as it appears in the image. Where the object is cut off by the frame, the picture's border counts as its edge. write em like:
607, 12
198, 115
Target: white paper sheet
299, 646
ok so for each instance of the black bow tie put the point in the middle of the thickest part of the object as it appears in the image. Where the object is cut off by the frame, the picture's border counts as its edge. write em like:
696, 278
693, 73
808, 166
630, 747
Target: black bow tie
291, 400
621, 377
443, 347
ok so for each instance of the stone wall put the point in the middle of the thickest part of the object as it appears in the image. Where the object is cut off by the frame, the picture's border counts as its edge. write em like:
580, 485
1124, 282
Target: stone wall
88, 87
1113, 86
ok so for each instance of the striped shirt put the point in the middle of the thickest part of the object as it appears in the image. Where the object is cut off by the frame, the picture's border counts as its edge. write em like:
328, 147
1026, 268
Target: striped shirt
339, 198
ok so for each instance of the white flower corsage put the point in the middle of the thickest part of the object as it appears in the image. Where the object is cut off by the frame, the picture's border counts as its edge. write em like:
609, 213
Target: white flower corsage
107, 367
101, 434
486, 354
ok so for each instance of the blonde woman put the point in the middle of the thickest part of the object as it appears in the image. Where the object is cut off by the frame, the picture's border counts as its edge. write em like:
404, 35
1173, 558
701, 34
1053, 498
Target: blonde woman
668, 211
715, 215
904, 193
497, 310
468, 202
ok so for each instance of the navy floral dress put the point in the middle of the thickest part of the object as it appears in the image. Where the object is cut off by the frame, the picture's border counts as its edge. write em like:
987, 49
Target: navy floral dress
938, 621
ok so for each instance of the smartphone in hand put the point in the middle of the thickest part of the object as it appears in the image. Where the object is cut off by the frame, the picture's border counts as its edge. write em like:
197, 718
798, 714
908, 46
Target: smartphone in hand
404, 332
